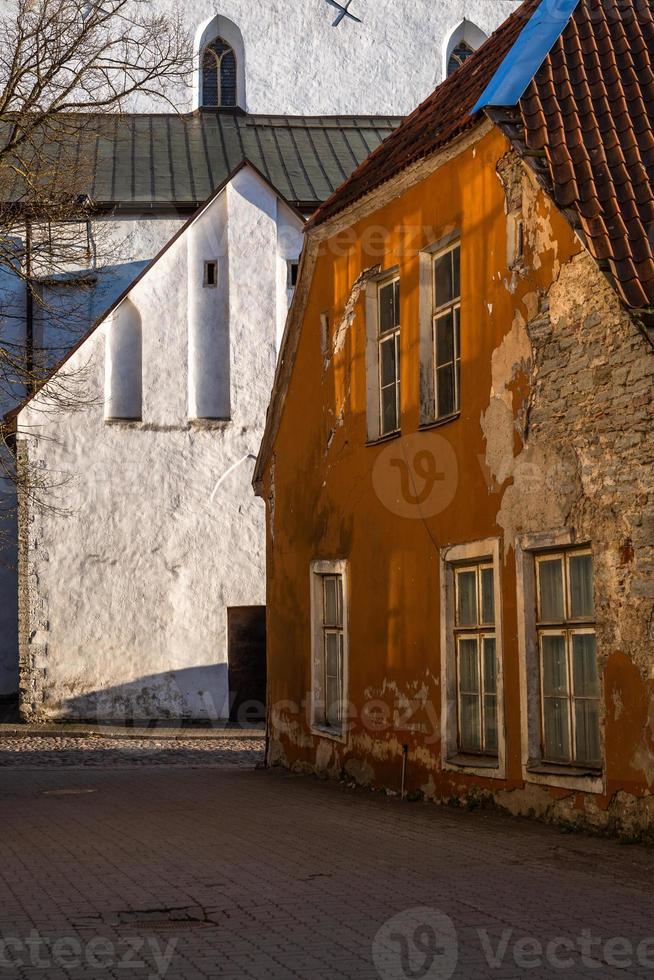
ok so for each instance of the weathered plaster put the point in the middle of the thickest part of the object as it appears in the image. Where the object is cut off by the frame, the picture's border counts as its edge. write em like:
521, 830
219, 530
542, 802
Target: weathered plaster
557, 409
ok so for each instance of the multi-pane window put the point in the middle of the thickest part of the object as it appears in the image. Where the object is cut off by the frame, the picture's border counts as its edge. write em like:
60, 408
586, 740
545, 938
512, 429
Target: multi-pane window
446, 322
218, 75
570, 687
330, 711
476, 658
460, 54
388, 305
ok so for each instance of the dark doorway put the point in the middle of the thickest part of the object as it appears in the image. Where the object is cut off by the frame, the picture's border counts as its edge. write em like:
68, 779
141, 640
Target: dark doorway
247, 663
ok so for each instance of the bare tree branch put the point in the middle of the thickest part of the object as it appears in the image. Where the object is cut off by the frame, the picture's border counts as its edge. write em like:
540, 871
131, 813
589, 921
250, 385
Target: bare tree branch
68, 69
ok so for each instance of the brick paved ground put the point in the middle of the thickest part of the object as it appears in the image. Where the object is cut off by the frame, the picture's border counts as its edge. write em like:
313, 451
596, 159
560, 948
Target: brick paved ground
241, 874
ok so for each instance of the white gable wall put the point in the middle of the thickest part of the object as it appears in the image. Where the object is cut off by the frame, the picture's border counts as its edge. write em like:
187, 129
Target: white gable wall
296, 62
127, 588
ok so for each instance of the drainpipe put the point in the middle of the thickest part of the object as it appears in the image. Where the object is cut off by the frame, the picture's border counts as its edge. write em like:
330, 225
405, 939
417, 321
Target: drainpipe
405, 752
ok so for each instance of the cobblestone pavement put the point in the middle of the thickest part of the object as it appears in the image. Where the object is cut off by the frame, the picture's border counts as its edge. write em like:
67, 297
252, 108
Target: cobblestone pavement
112, 751
207, 872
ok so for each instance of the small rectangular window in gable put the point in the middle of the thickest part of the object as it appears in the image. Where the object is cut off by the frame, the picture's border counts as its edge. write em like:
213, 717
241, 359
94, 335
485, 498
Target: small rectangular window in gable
293, 270
211, 273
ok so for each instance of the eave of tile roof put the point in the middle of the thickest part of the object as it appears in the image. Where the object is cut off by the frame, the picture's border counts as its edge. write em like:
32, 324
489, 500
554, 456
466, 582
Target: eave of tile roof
155, 161
445, 115
585, 126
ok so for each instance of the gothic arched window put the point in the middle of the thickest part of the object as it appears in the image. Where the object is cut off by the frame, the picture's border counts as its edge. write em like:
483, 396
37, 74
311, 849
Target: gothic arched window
458, 56
219, 75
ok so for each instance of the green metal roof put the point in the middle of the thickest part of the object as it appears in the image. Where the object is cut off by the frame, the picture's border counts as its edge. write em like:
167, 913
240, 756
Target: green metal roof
158, 161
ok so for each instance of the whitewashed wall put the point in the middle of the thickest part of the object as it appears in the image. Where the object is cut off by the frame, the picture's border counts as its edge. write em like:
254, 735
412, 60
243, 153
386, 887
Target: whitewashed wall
124, 246
159, 531
296, 62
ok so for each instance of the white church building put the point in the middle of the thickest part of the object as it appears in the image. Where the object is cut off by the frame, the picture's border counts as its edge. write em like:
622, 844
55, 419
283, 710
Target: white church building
139, 590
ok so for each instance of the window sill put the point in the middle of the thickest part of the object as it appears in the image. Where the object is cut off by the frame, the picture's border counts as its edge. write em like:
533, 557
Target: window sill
437, 423
209, 423
571, 772
335, 734
573, 779
131, 422
382, 439
463, 761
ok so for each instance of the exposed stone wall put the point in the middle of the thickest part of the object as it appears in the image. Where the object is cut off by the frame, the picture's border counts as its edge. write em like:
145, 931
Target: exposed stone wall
592, 409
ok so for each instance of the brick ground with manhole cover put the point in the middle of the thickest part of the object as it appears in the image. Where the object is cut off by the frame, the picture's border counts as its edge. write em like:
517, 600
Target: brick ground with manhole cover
192, 873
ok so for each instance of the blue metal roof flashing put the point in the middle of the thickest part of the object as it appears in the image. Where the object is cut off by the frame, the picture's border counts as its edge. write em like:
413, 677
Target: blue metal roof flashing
534, 43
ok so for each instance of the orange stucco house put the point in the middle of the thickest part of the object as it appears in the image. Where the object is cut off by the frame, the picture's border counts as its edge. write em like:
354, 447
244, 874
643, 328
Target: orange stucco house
458, 465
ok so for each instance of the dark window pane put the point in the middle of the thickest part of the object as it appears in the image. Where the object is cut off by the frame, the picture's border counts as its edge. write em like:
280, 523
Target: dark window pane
228, 80
461, 52
443, 279
389, 367
218, 75
490, 724
584, 665
445, 390
587, 732
490, 665
444, 339
457, 331
581, 587
468, 666
470, 723
209, 80
466, 598
556, 730
456, 271
555, 666
487, 596
389, 410
333, 601
333, 678
550, 578
388, 307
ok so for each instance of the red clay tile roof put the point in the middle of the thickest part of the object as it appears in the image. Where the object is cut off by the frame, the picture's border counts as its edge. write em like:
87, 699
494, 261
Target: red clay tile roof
585, 125
440, 119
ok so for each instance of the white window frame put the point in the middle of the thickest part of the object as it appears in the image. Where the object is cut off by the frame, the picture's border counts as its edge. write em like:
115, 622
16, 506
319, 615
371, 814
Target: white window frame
534, 768
373, 357
475, 553
319, 569
454, 307
428, 395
